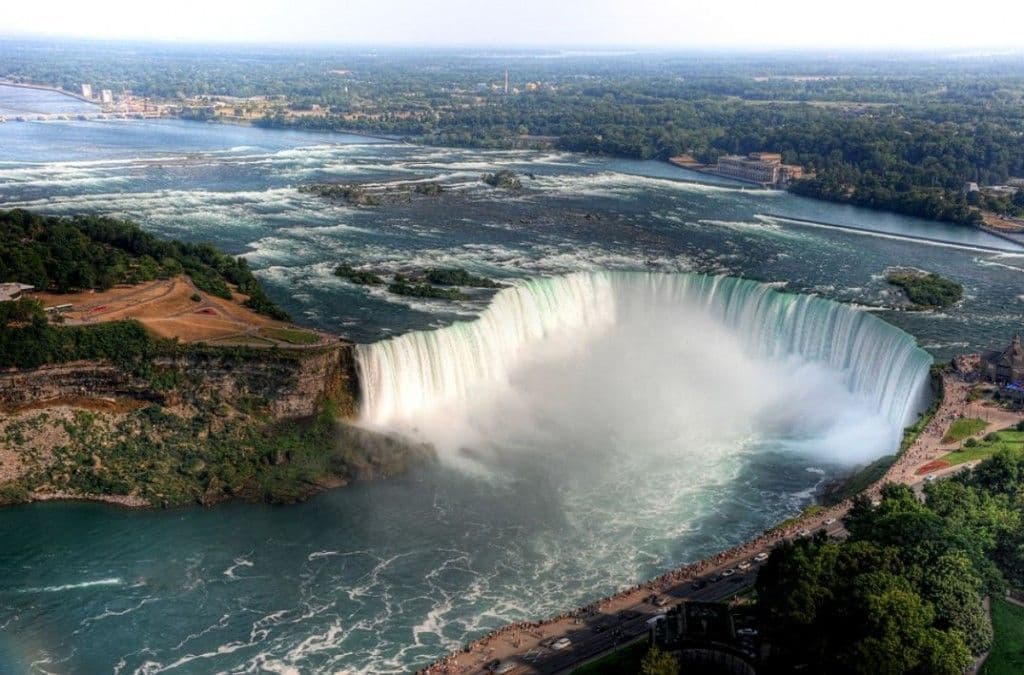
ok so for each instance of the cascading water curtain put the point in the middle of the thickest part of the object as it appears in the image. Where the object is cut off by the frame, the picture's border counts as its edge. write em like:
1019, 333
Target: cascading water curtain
875, 360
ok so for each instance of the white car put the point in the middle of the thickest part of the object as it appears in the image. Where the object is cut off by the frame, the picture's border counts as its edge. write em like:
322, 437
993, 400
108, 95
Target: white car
745, 565
561, 644
803, 533
747, 632
761, 557
830, 521
728, 573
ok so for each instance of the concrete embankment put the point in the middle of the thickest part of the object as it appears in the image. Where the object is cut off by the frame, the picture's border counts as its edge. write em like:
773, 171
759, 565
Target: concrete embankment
896, 235
43, 87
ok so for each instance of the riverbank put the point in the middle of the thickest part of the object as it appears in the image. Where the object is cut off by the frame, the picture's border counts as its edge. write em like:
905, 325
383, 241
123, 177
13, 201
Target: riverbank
527, 643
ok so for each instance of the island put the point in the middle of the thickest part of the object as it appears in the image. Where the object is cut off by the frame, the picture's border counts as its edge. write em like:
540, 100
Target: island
439, 283
925, 289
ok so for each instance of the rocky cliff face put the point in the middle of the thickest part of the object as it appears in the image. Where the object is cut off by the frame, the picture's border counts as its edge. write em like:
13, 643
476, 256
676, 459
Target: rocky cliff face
200, 426
288, 385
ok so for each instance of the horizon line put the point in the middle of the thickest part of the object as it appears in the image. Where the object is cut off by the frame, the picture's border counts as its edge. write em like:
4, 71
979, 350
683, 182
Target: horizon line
980, 50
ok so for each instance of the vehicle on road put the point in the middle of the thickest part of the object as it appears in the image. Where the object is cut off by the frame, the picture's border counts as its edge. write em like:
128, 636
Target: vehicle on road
745, 565
830, 521
747, 632
561, 644
728, 573
803, 533
761, 557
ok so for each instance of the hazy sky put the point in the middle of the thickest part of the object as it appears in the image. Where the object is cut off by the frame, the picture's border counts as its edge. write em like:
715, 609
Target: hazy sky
913, 24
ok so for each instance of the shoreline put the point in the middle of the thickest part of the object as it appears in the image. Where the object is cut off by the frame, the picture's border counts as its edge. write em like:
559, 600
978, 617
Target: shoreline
515, 641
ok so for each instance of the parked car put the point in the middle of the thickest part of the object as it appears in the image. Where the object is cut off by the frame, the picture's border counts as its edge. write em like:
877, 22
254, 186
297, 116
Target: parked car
561, 644
747, 632
803, 533
728, 573
830, 521
761, 557
745, 565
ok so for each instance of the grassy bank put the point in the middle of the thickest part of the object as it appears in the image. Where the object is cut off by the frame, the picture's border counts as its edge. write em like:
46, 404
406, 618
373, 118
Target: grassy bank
623, 661
1007, 439
962, 428
1007, 655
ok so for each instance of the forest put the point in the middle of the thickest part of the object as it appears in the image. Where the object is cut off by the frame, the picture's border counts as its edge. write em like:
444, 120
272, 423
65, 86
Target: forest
94, 252
903, 593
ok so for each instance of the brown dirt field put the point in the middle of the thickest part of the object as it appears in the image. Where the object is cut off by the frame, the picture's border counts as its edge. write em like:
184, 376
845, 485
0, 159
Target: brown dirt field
166, 309
997, 222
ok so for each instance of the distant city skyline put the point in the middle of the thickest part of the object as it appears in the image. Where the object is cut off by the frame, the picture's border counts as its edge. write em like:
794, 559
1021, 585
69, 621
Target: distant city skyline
868, 24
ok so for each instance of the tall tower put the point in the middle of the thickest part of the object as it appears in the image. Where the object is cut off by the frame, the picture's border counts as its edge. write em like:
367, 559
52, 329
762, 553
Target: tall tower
506, 81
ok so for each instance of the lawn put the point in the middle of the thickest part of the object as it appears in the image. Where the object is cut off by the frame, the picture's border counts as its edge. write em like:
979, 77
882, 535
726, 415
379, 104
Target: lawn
1007, 439
962, 428
1007, 655
623, 661
295, 337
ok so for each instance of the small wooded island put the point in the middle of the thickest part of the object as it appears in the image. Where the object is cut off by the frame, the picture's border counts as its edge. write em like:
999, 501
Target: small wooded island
152, 372
926, 290
439, 283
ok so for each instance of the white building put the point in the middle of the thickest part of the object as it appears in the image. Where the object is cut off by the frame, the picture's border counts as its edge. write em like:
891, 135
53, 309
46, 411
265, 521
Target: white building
87, 90
107, 96
13, 291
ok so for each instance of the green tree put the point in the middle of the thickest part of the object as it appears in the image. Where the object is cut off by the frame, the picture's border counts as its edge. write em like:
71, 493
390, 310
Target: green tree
658, 662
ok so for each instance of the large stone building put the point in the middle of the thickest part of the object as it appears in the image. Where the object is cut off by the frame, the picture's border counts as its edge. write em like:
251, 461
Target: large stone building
765, 168
1005, 366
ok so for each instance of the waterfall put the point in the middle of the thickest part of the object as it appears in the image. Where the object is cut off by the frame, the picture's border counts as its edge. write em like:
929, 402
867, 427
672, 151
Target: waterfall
447, 367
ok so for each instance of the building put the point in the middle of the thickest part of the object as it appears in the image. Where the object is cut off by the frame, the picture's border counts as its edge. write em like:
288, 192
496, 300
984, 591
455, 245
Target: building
87, 91
1005, 367
13, 291
107, 96
764, 168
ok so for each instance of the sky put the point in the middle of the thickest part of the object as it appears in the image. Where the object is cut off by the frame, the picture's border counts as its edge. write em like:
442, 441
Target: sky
860, 24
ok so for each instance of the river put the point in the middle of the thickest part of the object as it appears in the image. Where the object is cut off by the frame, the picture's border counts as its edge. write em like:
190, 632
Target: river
576, 499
